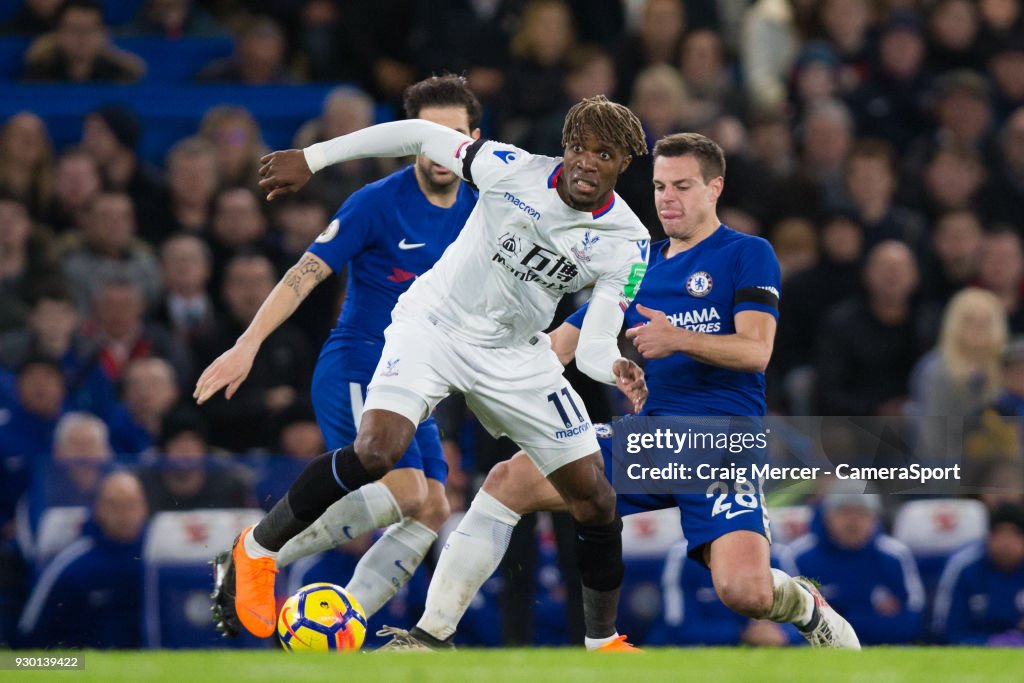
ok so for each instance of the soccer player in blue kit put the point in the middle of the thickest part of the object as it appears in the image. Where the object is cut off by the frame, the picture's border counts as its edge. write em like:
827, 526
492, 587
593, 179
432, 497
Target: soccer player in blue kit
705, 322
388, 233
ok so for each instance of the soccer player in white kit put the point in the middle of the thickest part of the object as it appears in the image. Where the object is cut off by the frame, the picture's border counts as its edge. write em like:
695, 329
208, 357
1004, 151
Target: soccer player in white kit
543, 227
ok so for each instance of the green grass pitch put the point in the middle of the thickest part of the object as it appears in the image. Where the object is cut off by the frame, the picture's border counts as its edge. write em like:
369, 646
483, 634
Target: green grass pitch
707, 665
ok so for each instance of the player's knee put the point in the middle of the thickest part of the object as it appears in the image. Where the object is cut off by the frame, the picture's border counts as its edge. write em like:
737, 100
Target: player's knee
378, 451
434, 511
748, 594
596, 506
412, 496
499, 479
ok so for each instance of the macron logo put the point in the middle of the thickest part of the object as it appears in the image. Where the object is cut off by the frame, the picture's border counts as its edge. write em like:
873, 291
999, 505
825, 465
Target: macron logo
506, 156
522, 206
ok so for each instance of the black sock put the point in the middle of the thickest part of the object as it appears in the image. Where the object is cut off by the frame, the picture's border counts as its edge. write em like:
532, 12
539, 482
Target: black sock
599, 556
325, 480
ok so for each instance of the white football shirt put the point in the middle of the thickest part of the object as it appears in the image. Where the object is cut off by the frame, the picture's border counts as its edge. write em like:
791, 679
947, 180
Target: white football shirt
522, 249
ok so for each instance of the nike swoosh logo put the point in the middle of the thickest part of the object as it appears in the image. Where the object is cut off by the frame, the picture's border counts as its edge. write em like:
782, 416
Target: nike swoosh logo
262, 619
730, 514
398, 563
347, 531
405, 245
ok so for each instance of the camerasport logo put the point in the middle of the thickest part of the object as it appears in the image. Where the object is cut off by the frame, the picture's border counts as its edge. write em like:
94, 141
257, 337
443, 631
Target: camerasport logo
547, 268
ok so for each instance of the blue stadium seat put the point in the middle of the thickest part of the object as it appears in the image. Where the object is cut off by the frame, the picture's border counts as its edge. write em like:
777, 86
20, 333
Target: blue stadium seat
169, 112
176, 586
176, 61
12, 56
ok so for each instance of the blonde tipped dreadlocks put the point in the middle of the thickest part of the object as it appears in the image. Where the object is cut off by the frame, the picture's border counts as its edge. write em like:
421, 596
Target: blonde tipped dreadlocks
607, 121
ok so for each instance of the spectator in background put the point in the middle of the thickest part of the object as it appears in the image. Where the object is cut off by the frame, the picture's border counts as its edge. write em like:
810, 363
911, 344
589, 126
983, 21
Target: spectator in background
815, 77
1006, 72
711, 88
871, 185
660, 35
346, 109
1011, 401
184, 477
90, 595
1002, 272
953, 31
764, 180
192, 182
150, 392
238, 224
173, 19
259, 58
769, 44
280, 373
809, 296
111, 135
795, 242
963, 117
107, 248
470, 38
848, 25
999, 18
963, 373
978, 599
1007, 198
27, 432
873, 579
533, 80
236, 137
868, 345
26, 162
27, 262
33, 18
185, 307
890, 104
76, 182
81, 453
954, 178
119, 334
953, 259
52, 332
827, 136
79, 50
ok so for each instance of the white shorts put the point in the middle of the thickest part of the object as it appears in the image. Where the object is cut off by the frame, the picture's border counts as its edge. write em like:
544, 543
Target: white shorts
517, 392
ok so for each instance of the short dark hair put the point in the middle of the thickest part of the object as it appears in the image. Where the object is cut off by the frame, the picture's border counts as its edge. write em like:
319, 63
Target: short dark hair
608, 121
709, 155
446, 90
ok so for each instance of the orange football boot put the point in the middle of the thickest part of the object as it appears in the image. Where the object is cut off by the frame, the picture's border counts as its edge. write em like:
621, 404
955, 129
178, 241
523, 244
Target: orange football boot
618, 645
254, 590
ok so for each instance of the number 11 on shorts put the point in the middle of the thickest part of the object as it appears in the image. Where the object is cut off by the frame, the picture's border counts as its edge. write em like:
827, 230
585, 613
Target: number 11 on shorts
553, 397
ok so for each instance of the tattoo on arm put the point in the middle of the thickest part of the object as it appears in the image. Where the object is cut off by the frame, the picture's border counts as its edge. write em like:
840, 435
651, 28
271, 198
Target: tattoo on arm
305, 275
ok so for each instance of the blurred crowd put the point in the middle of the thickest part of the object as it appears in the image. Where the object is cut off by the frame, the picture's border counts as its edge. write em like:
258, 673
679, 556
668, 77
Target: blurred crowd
879, 146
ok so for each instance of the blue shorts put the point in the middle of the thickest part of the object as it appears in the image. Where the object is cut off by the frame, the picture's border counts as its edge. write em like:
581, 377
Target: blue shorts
339, 404
704, 517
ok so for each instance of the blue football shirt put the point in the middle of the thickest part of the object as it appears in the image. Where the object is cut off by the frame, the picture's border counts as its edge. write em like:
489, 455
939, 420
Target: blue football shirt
702, 289
389, 234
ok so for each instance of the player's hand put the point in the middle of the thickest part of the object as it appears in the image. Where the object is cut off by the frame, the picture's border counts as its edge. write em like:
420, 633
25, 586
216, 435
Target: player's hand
229, 370
283, 172
656, 339
629, 378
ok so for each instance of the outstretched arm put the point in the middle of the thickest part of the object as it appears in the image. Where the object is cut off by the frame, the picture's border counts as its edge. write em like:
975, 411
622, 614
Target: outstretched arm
287, 171
233, 366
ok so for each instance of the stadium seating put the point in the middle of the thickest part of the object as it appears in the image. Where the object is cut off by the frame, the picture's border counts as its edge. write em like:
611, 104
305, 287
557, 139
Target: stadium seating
176, 586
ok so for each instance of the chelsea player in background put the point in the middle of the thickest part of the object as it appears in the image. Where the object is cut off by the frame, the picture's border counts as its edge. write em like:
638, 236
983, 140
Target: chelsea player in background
388, 233
705, 321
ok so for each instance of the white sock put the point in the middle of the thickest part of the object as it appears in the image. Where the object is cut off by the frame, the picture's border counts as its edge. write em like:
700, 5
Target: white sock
390, 563
370, 507
594, 643
472, 553
253, 548
791, 603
